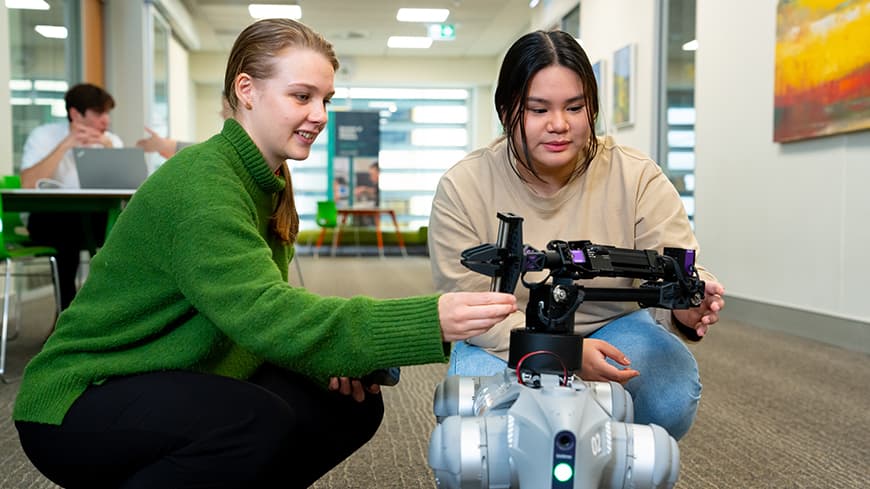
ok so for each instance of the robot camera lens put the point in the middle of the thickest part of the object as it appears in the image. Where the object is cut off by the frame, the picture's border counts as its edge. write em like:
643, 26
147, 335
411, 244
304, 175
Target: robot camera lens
565, 441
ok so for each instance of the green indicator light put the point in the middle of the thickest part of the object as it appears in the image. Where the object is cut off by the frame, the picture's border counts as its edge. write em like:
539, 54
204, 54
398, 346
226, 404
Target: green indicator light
563, 472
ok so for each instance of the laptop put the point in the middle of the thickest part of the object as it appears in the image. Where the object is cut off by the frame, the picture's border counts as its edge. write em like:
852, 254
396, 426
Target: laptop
110, 168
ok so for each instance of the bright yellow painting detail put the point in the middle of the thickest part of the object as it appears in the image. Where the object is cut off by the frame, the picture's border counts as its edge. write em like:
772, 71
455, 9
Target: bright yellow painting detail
822, 78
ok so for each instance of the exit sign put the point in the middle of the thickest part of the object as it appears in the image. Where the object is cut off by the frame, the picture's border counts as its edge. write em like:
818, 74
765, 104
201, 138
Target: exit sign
442, 32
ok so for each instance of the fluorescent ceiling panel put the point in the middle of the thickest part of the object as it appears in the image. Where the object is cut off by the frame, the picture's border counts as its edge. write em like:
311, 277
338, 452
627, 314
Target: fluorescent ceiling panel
51, 31
422, 14
272, 11
27, 4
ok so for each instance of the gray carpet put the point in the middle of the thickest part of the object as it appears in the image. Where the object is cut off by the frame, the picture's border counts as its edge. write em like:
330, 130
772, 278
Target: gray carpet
777, 411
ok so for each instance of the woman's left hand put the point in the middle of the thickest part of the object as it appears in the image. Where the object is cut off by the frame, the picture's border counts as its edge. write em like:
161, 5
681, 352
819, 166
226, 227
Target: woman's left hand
352, 387
702, 317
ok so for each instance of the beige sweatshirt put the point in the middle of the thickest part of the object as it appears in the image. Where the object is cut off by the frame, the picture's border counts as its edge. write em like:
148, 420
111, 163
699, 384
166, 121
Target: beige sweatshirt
622, 200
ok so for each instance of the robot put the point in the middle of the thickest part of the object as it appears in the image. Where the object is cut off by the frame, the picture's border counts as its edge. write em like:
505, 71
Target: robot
537, 425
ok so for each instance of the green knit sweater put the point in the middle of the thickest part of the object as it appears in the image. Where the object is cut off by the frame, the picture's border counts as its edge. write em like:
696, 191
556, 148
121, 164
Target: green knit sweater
191, 279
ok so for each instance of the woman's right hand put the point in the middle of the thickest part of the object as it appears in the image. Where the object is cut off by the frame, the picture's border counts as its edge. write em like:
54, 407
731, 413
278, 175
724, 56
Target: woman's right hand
467, 314
596, 368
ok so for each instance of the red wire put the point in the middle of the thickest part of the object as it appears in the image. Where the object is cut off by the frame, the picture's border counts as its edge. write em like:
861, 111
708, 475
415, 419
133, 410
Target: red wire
542, 352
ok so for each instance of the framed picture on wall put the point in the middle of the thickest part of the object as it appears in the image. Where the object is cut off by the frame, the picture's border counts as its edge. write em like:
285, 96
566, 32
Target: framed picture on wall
822, 76
623, 86
598, 68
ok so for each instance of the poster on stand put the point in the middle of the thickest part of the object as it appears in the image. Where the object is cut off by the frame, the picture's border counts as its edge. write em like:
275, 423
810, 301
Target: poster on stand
355, 170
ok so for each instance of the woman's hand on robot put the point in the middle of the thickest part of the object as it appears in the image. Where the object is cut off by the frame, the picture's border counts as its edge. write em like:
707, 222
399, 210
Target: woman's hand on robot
467, 314
596, 368
702, 317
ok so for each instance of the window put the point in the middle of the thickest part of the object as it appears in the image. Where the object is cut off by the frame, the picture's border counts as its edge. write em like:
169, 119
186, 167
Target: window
157, 86
677, 109
423, 132
43, 62
159, 72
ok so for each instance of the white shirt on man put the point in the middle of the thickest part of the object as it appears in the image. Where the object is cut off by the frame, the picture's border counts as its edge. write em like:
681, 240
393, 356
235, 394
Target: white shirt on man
44, 139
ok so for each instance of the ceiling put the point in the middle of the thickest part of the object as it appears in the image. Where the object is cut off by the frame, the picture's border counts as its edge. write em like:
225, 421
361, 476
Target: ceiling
361, 27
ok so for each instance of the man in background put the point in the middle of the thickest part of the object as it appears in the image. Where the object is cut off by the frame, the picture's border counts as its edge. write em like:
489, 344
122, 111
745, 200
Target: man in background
48, 157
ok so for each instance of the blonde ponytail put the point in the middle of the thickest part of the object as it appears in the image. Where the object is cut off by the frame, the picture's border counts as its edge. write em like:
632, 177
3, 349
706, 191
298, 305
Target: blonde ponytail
285, 219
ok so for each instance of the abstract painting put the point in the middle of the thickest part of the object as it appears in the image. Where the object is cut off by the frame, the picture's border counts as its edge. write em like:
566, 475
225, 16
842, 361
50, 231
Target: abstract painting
822, 74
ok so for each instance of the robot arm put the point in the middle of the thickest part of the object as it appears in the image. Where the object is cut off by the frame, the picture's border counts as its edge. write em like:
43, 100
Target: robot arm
671, 279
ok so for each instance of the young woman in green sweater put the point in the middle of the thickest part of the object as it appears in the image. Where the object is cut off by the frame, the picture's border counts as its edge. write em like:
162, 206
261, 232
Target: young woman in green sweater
186, 360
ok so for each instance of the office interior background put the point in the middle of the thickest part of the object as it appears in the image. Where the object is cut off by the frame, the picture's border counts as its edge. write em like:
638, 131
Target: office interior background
783, 225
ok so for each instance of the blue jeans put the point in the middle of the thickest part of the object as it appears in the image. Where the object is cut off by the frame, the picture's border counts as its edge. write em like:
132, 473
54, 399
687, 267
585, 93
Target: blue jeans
665, 393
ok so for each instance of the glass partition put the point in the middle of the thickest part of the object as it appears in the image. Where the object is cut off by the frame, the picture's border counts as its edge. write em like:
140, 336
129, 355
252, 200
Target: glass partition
158, 106
677, 109
44, 59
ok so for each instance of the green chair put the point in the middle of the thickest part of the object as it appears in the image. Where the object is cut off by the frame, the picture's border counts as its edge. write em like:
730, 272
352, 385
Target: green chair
14, 230
13, 255
14, 233
326, 218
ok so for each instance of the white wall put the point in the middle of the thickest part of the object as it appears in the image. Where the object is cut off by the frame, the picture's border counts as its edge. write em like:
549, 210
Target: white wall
181, 102
207, 116
782, 224
127, 34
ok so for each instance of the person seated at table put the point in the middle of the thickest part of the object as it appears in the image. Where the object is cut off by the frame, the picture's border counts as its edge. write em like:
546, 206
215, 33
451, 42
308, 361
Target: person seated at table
48, 155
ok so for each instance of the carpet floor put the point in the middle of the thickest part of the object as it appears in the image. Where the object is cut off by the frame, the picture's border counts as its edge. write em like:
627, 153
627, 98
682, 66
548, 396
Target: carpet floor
778, 411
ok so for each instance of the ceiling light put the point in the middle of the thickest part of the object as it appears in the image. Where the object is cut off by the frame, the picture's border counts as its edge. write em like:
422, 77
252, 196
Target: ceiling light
51, 31
534, 3
691, 45
27, 4
422, 14
272, 11
409, 42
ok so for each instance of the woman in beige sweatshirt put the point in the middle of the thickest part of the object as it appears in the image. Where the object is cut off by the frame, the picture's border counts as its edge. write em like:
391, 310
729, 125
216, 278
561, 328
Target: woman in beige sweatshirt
568, 184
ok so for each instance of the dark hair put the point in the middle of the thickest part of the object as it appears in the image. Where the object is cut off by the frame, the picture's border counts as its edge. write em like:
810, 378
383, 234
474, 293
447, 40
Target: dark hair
253, 53
86, 96
525, 58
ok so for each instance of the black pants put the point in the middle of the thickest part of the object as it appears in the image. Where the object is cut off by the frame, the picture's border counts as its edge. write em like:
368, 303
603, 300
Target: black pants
184, 430
68, 233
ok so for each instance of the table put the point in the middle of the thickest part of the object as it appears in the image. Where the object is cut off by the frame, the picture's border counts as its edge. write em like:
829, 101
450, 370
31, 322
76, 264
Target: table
110, 201
374, 212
